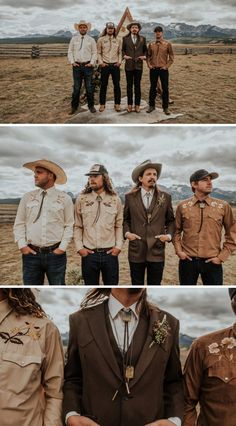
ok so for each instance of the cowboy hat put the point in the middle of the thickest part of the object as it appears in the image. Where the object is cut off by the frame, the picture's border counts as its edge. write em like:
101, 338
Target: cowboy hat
77, 25
133, 23
147, 164
61, 177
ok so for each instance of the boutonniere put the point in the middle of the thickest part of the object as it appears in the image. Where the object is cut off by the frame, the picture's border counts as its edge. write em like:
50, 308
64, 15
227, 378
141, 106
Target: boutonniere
221, 349
161, 200
160, 331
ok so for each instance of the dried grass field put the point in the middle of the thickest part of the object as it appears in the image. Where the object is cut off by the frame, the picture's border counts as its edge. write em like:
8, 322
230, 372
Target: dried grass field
10, 264
39, 90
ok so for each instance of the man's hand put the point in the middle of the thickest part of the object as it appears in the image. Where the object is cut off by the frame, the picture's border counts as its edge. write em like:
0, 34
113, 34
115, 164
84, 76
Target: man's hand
183, 256
58, 251
75, 64
163, 238
80, 421
103, 65
27, 250
118, 64
214, 260
84, 252
127, 57
142, 58
131, 237
162, 422
114, 251
89, 65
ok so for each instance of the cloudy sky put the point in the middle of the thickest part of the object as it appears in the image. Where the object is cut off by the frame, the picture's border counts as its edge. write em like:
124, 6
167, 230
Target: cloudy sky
200, 310
180, 149
48, 16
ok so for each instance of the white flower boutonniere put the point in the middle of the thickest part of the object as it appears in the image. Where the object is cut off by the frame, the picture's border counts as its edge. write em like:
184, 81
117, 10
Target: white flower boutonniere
160, 331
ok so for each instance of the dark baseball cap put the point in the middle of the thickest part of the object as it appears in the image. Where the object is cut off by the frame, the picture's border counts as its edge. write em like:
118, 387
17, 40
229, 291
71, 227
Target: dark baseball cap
158, 29
97, 169
232, 292
201, 174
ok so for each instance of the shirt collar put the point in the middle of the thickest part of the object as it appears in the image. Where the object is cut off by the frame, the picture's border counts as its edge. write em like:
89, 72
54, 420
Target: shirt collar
49, 190
5, 309
102, 195
234, 329
207, 200
115, 306
144, 192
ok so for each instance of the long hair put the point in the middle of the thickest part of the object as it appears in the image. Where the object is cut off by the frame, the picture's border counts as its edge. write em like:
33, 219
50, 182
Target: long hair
104, 32
138, 185
23, 302
96, 296
107, 183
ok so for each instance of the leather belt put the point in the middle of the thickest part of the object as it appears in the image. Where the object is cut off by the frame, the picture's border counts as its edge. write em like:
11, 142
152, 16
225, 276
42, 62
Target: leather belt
82, 63
48, 249
110, 63
100, 250
199, 258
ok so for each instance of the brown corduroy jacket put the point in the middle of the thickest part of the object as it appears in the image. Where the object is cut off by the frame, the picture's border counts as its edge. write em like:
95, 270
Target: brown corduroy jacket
92, 374
129, 49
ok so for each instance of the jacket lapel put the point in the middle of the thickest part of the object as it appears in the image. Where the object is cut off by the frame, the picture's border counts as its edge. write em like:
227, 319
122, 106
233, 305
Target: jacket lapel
158, 199
97, 324
148, 353
139, 204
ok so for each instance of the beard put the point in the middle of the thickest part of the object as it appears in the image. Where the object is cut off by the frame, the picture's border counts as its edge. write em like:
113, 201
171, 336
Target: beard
135, 290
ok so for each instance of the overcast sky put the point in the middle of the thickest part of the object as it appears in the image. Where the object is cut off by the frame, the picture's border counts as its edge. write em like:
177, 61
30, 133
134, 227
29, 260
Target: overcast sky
48, 16
181, 150
200, 310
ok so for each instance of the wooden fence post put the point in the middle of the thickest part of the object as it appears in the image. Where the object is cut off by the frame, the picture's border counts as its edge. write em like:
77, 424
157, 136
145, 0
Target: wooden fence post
35, 52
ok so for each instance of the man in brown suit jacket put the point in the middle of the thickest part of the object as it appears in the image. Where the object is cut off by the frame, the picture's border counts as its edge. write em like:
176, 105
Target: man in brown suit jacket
134, 51
148, 224
106, 384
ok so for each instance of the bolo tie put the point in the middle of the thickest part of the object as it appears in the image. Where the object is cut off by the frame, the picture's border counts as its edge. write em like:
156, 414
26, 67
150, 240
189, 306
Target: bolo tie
202, 205
41, 206
99, 200
81, 44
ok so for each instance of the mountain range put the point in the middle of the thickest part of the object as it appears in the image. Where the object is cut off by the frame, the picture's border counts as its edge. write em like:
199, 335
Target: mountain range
172, 31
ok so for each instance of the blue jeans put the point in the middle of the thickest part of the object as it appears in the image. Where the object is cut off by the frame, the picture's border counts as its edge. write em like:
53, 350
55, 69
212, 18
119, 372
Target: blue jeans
35, 266
189, 271
81, 73
100, 262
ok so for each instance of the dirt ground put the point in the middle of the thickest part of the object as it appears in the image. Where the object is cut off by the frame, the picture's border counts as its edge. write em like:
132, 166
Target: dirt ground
10, 263
39, 90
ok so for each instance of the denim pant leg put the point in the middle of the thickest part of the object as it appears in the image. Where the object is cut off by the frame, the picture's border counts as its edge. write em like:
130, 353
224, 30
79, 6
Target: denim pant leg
154, 73
55, 266
211, 274
115, 74
110, 269
88, 76
105, 73
188, 272
33, 272
91, 268
154, 272
78, 78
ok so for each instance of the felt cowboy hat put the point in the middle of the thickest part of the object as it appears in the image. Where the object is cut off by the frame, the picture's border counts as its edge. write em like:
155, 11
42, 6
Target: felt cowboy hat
77, 25
61, 177
147, 164
133, 23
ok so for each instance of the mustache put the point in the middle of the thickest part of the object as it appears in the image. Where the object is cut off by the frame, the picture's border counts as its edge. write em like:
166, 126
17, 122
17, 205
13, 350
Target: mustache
135, 290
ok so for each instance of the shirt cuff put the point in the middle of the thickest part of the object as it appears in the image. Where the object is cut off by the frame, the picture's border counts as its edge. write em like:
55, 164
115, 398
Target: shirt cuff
170, 237
175, 420
127, 232
71, 413
22, 243
63, 245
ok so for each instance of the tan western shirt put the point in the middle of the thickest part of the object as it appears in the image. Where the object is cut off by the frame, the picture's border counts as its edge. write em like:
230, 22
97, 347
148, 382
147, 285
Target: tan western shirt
31, 370
107, 231
210, 379
55, 223
160, 54
82, 52
109, 49
204, 240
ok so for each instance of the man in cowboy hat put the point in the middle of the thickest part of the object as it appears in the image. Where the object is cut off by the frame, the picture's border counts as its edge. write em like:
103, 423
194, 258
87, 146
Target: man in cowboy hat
210, 377
82, 55
98, 228
198, 237
109, 58
134, 52
117, 373
148, 224
160, 57
43, 226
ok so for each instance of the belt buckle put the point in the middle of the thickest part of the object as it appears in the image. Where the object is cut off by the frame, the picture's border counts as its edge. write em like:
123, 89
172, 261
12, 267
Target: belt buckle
100, 250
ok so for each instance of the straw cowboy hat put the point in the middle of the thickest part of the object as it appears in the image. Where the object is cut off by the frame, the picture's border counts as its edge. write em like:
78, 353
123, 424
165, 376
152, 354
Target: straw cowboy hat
88, 25
147, 164
61, 177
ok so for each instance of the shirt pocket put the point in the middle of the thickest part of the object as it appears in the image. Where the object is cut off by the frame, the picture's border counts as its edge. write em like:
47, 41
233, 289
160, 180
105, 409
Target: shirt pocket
32, 208
110, 216
20, 373
223, 369
215, 217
